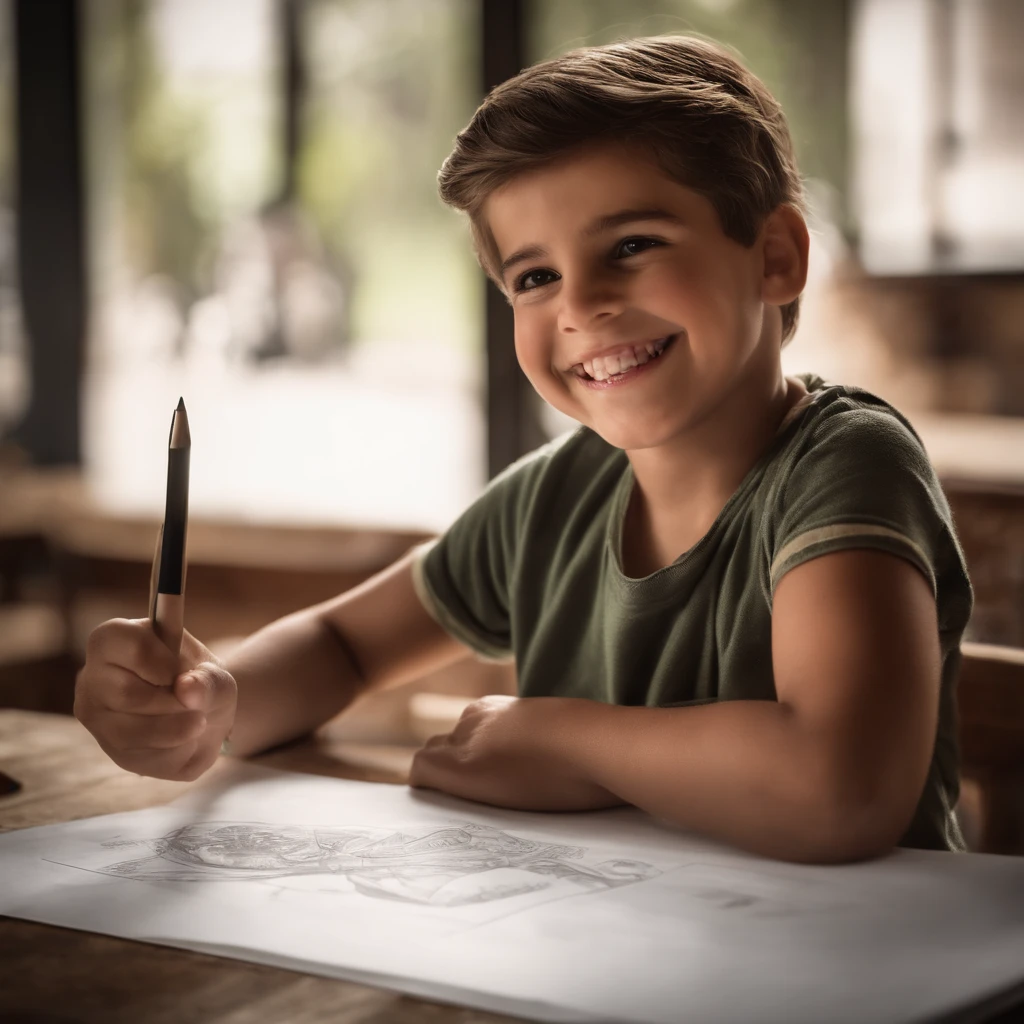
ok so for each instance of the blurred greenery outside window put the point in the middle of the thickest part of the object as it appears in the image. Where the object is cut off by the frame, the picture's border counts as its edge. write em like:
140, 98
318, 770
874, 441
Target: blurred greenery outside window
331, 351
329, 347
334, 345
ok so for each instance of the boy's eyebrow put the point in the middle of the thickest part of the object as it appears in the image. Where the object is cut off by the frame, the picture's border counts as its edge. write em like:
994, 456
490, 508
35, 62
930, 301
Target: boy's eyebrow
614, 220
596, 227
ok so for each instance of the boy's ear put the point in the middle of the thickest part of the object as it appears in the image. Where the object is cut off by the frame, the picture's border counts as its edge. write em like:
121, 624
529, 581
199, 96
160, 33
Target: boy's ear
784, 244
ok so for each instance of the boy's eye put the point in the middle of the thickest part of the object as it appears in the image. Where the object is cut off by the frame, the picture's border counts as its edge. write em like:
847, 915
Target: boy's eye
537, 278
533, 279
634, 246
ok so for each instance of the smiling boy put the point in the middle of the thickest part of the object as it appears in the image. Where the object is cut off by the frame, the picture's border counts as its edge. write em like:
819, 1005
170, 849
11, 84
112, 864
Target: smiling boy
734, 600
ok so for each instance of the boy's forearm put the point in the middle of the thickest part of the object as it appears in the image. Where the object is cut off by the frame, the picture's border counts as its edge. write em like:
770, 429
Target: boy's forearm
746, 772
292, 676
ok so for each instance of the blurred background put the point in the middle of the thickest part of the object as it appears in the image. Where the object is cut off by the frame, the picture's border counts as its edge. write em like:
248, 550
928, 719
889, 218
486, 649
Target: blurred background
235, 202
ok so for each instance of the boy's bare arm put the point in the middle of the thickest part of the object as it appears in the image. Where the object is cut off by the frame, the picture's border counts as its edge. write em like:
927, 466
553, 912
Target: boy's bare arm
831, 772
166, 717
302, 670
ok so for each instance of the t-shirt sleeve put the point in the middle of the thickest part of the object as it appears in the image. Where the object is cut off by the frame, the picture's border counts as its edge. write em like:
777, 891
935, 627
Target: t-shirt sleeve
464, 578
863, 480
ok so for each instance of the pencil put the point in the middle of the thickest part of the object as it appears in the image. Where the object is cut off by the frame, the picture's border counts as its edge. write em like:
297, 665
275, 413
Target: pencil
167, 584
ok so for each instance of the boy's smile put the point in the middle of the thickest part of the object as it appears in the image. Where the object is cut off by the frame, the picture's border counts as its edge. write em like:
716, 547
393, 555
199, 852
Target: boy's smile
610, 367
635, 314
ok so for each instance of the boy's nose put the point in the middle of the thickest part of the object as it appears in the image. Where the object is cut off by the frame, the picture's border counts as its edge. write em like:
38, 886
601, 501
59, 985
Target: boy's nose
587, 302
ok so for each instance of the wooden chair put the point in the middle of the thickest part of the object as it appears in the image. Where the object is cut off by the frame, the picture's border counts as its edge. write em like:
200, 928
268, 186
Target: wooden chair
991, 728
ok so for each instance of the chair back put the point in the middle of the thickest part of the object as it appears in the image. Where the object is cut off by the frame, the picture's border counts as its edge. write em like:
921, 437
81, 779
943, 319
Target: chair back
990, 701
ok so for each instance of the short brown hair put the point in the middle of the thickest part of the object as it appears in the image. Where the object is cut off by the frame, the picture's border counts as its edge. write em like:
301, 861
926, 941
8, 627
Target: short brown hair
710, 124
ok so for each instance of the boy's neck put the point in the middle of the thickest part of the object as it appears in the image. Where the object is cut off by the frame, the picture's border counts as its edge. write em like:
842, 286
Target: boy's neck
681, 487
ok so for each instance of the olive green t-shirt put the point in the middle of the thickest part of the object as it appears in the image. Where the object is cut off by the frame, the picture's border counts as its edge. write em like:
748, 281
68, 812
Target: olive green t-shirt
532, 570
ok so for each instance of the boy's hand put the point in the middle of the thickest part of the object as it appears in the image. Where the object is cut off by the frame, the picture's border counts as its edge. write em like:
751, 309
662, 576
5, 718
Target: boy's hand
153, 713
511, 752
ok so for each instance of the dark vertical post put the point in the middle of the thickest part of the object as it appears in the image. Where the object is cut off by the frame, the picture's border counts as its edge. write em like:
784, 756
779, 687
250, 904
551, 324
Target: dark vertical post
944, 142
512, 427
293, 81
50, 233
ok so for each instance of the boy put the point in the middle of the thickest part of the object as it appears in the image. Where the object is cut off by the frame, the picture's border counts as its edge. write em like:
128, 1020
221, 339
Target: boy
734, 600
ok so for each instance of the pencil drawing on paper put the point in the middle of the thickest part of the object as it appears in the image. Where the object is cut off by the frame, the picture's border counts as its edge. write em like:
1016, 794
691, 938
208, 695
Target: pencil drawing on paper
449, 865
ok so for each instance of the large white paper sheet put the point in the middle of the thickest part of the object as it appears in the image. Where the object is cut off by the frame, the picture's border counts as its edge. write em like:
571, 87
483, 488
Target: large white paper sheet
592, 917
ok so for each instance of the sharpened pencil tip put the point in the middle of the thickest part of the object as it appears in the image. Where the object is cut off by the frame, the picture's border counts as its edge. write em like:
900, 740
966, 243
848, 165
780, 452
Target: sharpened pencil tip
180, 436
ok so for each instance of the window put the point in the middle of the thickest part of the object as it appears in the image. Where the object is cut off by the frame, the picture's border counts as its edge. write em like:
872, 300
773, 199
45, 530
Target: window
939, 142
328, 342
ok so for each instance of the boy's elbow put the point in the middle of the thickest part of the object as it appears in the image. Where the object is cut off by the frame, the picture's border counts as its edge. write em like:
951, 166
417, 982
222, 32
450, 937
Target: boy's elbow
854, 830
847, 846
826, 839
855, 814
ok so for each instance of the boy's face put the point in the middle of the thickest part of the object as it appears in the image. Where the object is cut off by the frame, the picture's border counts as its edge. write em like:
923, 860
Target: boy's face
609, 263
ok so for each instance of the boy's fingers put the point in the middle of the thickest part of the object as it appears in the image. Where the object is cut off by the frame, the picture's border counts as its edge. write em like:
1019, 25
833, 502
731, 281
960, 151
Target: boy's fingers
182, 764
132, 644
428, 764
192, 651
437, 741
124, 691
130, 733
125, 696
206, 688
418, 772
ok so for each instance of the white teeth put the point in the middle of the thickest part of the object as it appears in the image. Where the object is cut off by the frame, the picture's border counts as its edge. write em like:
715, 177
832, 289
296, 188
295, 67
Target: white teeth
603, 367
611, 366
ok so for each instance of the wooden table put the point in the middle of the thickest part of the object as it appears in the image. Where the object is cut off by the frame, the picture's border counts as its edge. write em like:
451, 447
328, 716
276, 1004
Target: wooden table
54, 975
60, 976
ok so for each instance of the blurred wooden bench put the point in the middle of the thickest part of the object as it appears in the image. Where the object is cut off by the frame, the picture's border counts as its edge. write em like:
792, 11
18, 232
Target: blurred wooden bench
66, 565
35, 661
991, 730
989, 519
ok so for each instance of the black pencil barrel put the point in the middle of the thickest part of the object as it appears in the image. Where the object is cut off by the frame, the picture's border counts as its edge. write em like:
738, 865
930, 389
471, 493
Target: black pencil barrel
172, 551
